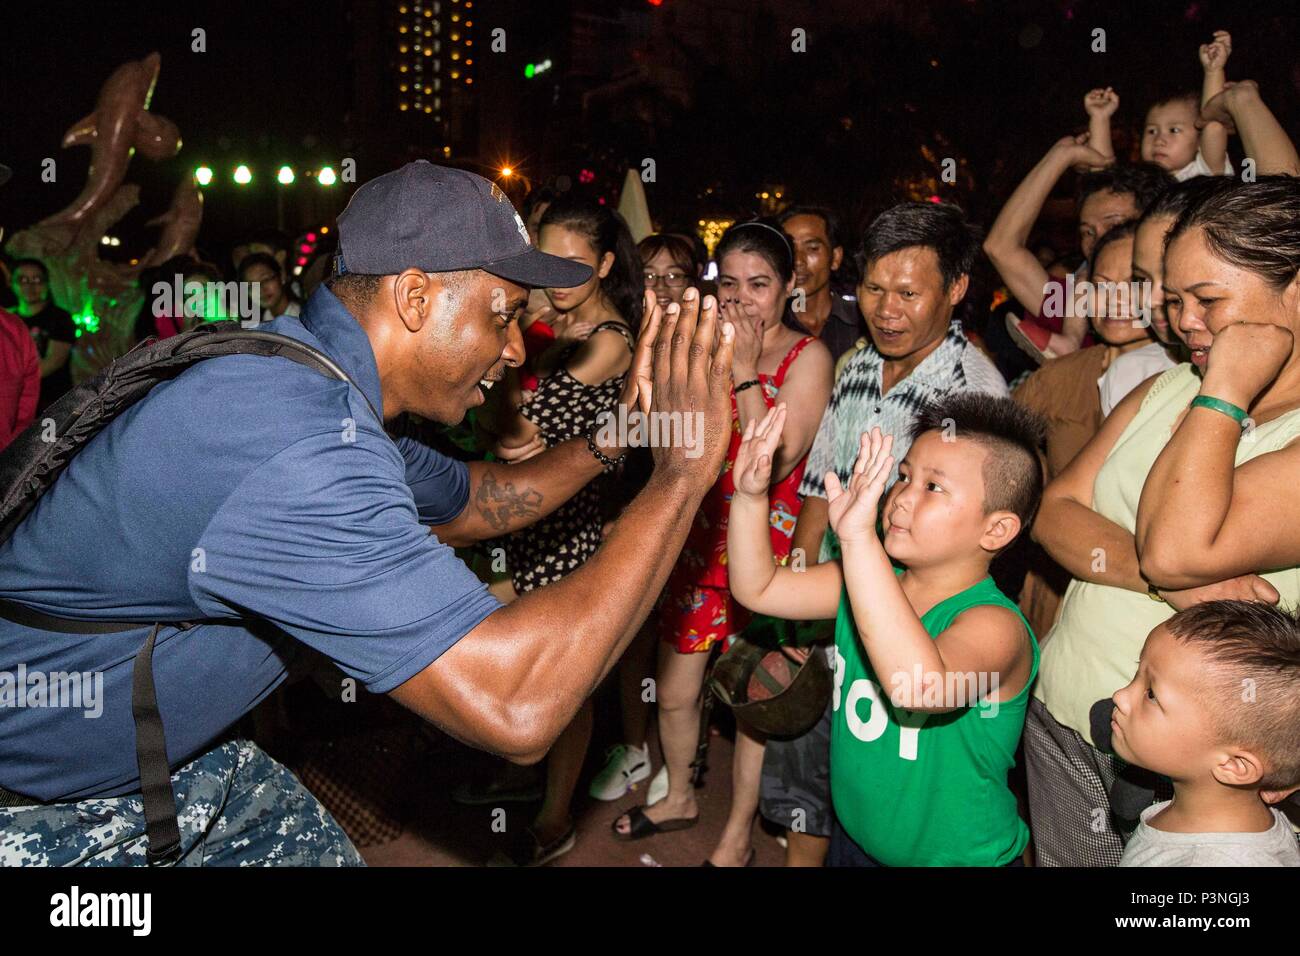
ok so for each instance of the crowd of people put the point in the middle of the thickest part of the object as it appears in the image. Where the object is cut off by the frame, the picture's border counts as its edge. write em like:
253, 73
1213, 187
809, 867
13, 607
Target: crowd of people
840, 413
1078, 502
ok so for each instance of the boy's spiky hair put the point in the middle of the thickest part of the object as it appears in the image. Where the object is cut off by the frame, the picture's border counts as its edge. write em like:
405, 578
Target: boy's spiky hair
1253, 650
1012, 434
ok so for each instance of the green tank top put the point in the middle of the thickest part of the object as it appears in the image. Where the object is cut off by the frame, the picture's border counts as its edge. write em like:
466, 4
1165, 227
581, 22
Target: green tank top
919, 789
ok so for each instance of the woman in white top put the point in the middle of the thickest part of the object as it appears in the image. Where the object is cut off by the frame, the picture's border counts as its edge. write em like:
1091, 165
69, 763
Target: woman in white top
1173, 503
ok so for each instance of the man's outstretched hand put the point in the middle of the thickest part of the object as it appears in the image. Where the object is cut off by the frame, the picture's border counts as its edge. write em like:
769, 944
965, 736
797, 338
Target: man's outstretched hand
682, 373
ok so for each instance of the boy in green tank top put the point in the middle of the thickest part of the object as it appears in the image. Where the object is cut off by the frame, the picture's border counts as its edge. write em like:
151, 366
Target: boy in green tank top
933, 664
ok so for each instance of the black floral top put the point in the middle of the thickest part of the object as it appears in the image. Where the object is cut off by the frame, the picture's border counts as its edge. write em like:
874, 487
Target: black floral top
564, 408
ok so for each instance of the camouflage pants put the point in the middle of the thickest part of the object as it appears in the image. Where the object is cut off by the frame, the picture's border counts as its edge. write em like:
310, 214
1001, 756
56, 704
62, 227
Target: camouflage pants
236, 807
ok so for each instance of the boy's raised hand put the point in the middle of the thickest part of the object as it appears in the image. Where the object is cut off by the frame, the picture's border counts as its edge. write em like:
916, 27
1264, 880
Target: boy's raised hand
752, 471
1215, 53
1101, 102
853, 509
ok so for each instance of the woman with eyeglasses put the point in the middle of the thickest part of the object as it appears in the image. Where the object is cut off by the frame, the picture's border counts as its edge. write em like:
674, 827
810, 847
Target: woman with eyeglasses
669, 265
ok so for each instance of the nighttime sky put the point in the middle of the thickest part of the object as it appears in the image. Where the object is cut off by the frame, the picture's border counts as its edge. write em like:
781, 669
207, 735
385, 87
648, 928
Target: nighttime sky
264, 83
1008, 77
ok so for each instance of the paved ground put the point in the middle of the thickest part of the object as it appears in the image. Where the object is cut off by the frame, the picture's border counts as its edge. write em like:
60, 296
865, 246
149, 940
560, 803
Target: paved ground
376, 748
440, 833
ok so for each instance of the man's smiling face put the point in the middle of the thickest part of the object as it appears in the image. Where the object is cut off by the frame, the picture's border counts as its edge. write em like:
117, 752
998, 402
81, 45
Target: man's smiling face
473, 337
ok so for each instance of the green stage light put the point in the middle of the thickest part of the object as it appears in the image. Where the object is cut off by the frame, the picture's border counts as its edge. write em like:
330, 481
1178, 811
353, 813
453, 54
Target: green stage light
243, 175
86, 321
285, 176
203, 175
327, 177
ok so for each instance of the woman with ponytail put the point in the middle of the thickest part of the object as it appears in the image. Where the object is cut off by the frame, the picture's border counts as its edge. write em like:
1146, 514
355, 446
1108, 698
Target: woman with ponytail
576, 382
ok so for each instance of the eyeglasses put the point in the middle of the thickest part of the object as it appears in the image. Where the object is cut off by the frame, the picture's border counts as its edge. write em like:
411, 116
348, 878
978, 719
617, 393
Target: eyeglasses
674, 279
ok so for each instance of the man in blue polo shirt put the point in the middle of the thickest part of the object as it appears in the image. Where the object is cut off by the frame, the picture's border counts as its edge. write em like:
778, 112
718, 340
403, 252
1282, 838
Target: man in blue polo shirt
259, 492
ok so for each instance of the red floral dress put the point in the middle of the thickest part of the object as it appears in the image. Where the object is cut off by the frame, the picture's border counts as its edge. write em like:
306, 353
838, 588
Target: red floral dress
696, 609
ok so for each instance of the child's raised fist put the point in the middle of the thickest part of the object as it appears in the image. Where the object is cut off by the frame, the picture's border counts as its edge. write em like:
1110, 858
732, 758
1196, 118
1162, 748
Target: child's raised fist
1101, 102
1215, 53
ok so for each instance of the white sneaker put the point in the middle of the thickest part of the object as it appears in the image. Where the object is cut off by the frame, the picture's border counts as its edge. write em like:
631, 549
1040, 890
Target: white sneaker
658, 787
624, 766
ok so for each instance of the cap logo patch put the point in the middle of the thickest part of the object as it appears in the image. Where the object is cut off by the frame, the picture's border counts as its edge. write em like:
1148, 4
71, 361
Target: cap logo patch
497, 194
523, 230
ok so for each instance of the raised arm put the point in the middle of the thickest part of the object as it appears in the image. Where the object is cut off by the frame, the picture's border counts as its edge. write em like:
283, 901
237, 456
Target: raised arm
1214, 135
1263, 139
752, 574
1201, 518
805, 392
509, 685
1100, 105
1006, 242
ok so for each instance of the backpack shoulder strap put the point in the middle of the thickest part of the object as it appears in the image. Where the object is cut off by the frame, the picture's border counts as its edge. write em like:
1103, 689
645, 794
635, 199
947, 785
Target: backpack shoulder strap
30, 465
32, 462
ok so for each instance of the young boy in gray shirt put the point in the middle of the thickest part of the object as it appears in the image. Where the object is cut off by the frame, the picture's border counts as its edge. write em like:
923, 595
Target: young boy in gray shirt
1215, 706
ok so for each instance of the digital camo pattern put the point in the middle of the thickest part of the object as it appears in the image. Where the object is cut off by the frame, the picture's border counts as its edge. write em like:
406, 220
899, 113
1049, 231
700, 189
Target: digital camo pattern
236, 807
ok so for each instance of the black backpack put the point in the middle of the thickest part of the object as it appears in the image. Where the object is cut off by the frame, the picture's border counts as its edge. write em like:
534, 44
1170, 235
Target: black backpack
33, 461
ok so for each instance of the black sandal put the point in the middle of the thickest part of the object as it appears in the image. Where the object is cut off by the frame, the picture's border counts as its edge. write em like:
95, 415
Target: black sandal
527, 849
641, 826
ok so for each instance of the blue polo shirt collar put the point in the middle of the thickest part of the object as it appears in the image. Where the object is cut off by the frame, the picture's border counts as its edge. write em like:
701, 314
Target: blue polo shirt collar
343, 339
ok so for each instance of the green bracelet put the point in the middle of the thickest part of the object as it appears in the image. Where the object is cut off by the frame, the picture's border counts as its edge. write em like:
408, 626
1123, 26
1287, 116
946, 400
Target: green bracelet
1235, 412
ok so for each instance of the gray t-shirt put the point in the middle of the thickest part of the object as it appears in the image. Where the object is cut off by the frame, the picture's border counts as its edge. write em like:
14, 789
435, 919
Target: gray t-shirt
1148, 846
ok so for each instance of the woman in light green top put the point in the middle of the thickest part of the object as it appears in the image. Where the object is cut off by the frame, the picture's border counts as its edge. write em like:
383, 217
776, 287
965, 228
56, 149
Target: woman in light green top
1173, 503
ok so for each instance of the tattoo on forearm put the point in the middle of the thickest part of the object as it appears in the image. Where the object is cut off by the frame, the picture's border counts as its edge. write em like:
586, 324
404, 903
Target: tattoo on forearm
501, 504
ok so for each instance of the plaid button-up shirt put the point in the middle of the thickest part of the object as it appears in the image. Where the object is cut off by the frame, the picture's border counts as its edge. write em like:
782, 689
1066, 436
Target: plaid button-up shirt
857, 404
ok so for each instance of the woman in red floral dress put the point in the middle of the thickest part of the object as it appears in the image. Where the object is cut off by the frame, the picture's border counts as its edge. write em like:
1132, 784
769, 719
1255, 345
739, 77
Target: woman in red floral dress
773, 363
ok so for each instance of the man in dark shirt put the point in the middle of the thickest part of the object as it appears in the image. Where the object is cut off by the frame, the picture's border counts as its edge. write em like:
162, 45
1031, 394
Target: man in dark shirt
266, 501
813, 234
52, 328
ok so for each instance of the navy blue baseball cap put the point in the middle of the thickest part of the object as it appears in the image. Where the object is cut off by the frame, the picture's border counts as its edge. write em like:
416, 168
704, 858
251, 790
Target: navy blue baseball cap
440, 219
